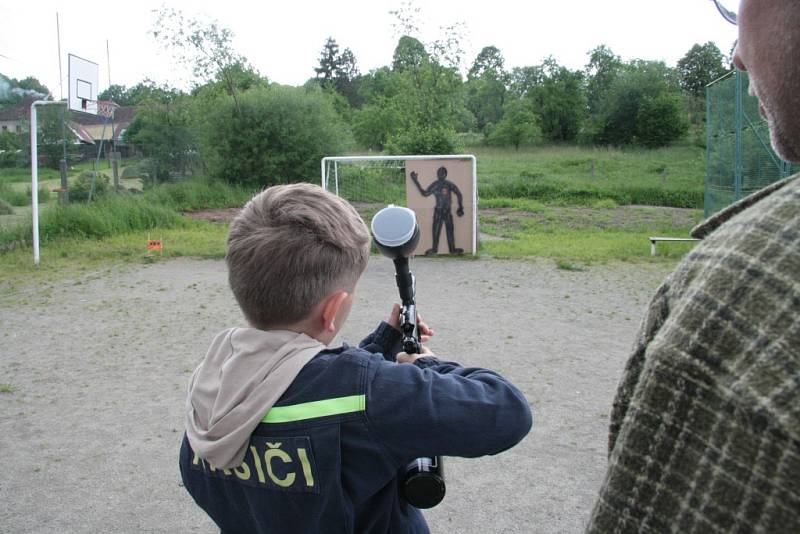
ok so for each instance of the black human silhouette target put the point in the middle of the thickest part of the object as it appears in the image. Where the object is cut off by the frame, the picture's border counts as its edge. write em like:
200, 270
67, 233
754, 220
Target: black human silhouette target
442, 189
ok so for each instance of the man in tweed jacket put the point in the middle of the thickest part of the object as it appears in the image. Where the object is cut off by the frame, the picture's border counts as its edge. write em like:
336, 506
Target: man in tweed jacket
705, 427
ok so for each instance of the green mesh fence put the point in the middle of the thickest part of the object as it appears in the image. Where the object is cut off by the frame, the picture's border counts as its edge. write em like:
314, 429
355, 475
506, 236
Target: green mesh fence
740, 158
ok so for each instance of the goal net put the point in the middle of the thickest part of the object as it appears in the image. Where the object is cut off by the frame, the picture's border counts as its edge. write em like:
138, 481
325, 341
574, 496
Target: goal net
370, 183
366, 181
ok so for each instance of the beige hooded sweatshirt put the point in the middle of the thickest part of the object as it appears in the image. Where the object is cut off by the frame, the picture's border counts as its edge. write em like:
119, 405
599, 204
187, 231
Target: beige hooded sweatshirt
243, 374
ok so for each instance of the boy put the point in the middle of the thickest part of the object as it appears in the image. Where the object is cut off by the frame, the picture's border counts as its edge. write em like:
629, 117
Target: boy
287, 435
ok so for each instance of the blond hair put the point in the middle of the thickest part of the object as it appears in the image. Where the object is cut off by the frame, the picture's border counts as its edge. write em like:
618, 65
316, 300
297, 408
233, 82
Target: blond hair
289, 248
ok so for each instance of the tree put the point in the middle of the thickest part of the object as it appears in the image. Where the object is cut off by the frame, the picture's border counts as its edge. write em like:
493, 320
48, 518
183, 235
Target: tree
641, 90
560, 101
701, 65
601, 71
375, 123
417, 105
329, 62
485, 99
338, 71
116, 93
379, 83
280, 136
144, 92
488, 62
660, 120
519, 125
524, 80
33, 85
163, 131
431, 101
205, 47
12, 91
486, 87
409, 53
348, 68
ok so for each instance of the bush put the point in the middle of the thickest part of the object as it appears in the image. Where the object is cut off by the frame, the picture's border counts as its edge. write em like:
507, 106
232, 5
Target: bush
423, 140
8, 158
519, 125
660, 120
81, 187
5, 208
277, 135
373, 124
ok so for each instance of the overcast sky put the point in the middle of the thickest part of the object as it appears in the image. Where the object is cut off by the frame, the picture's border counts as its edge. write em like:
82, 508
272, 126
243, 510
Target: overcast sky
283, 39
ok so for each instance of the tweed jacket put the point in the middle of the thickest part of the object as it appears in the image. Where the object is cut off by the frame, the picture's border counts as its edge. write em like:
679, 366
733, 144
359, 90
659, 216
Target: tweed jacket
705, 427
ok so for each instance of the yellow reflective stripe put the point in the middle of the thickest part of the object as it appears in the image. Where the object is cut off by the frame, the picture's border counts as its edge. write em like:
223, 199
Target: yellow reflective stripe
310, 410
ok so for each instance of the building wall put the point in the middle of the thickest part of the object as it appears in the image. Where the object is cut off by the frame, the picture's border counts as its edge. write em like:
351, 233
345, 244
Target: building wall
14, 126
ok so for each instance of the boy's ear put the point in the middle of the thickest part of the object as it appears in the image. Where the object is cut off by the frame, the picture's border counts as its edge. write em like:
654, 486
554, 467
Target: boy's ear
330, 309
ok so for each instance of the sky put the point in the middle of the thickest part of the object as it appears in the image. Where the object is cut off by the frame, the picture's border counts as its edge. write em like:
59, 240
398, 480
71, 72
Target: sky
283, 40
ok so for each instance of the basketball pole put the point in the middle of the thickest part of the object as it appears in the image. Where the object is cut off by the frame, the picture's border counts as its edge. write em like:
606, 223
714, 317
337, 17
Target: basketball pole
63, 195
35, 175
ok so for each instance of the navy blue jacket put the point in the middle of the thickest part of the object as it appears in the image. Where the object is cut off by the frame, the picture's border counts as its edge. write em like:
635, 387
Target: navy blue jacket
327, 457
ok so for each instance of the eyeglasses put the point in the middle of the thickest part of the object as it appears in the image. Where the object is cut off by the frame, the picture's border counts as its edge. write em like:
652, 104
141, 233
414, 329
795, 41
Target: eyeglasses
728, 9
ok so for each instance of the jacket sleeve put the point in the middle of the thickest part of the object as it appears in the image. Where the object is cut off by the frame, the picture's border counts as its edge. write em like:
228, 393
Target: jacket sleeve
384, 340
440, 408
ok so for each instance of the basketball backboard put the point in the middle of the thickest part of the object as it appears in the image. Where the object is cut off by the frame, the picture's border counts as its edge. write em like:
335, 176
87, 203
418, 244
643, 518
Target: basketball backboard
83, 84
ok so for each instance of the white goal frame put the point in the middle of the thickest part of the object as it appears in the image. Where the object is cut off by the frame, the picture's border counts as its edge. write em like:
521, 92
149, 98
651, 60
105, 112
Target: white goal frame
325, 177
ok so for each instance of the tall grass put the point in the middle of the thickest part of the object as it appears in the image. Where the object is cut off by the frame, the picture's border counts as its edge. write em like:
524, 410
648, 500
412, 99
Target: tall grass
104, 218
198, 193
17, 197
120, 214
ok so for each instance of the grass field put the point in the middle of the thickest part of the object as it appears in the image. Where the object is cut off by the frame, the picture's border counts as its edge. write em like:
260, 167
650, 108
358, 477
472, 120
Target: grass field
665, 177
539, 202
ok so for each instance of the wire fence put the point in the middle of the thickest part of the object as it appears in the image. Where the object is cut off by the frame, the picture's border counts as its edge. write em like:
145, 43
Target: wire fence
740, 159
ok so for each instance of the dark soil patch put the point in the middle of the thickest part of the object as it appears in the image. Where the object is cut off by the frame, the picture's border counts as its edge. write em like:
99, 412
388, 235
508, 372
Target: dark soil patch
221, 215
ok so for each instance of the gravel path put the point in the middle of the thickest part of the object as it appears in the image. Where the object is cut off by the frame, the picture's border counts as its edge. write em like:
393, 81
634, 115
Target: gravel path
93, 375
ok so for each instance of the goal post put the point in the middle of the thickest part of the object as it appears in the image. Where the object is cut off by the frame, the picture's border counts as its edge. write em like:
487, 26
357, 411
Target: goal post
441, 189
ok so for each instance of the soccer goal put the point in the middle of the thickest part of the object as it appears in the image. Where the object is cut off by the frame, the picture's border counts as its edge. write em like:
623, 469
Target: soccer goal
441, 189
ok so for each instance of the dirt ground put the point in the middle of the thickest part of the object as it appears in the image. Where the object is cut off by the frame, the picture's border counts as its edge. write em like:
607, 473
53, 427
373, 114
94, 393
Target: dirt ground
93, 373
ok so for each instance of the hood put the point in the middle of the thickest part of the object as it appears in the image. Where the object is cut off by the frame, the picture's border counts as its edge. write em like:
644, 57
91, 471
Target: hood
243, 374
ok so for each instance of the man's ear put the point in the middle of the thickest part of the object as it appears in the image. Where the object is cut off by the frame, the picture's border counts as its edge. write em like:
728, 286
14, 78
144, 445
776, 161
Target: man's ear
330, 309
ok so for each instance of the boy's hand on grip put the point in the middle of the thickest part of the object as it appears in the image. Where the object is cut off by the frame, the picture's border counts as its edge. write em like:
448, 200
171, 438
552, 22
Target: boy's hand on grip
403, 357
425, 332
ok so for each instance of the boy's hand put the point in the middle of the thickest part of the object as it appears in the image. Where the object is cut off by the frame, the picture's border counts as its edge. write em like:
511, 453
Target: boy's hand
403, 357
425, 332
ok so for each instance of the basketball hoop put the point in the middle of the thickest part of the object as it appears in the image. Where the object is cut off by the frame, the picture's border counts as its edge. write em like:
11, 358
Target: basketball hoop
106, 108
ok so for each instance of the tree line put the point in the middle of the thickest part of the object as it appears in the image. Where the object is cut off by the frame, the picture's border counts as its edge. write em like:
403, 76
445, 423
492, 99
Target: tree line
236, 124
